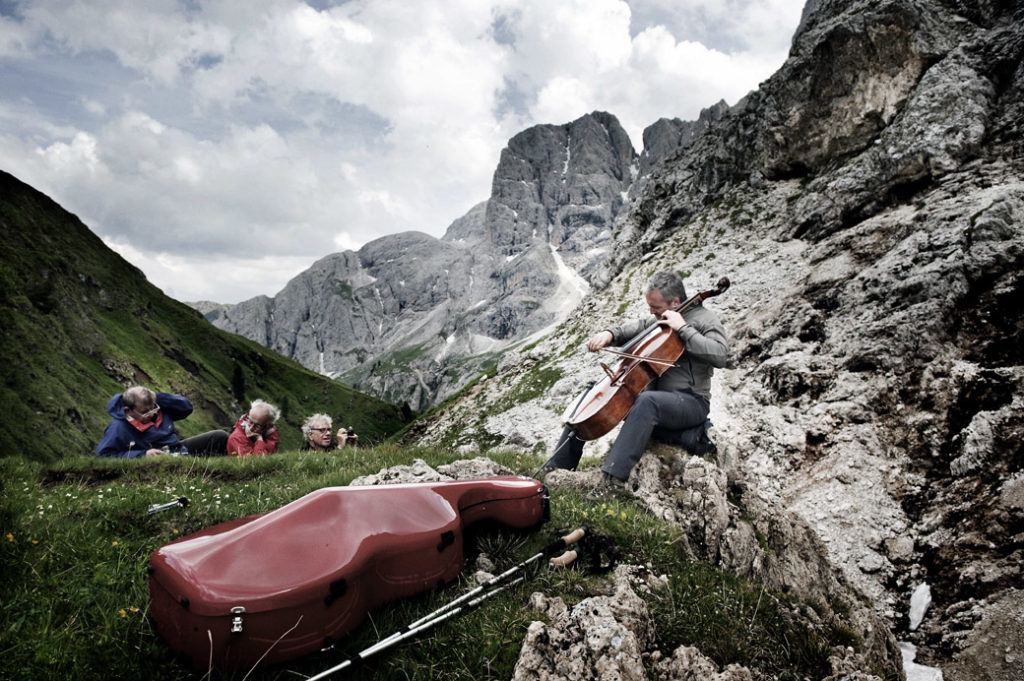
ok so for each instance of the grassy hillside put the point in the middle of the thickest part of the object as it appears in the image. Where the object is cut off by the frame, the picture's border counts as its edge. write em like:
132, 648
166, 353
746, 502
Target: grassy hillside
75, 540
80, 323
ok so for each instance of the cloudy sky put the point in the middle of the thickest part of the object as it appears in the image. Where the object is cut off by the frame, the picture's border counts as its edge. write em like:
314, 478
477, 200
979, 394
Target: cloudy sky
222, 146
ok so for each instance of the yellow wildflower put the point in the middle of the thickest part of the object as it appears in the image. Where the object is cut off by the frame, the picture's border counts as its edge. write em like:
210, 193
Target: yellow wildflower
122, 613
133, 610
35, 541
10, 537
114, 543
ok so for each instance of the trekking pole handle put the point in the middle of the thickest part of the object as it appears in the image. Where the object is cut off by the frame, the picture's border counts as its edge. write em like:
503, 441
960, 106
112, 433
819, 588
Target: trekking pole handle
574, 536
564, 560
565, 542
156, 508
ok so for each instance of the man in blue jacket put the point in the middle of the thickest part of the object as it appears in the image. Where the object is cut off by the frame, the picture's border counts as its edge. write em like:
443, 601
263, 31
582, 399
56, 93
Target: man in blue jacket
143, 425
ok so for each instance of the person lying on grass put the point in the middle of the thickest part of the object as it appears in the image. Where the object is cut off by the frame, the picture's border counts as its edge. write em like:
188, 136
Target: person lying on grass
255, 433
316, 435
142, 424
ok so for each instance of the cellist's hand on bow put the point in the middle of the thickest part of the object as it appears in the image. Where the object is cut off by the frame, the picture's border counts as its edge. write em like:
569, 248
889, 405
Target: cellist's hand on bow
599, 340
674, 320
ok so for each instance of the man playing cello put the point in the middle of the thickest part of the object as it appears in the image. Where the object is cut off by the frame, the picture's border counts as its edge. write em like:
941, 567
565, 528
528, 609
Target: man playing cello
677, 401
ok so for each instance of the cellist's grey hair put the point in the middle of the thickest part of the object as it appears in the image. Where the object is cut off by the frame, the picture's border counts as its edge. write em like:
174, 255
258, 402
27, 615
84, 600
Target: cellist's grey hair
307, 427
136, 395
267, 407
668, 284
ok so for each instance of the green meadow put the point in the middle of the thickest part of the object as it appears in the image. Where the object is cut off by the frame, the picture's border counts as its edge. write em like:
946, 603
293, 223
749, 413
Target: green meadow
75, 541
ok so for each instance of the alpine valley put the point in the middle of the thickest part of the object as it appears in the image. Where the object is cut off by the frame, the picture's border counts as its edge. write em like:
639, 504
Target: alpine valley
80, 324
412, 318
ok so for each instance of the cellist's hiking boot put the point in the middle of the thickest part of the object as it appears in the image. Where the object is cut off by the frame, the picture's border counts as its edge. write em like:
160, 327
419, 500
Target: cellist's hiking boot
706, 448
610, 487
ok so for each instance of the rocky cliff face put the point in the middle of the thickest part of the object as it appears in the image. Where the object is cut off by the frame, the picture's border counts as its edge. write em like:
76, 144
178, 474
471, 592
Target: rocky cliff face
413, 318
668, 137
867, 203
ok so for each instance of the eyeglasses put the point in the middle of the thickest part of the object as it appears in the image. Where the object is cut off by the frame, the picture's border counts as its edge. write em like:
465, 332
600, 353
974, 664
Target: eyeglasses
143, 415
320, 430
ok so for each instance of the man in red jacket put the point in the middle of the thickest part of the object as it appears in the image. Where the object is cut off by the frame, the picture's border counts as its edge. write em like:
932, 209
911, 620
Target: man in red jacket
255, 433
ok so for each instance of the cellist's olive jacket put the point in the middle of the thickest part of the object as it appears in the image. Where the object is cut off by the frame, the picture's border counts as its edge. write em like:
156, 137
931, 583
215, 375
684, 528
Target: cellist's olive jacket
707, 347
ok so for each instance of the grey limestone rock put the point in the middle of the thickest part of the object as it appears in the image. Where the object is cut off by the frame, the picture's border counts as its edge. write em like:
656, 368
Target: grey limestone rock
563, 184
467, 469
853, 67
994, 649
666, 138
728, 524
420, 471
689, 664
417, 471
210, 310
601, 637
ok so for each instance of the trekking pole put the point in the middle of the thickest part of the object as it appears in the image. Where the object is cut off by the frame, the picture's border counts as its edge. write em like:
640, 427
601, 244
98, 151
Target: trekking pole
549, 550
468, 601
156, 508
410, 632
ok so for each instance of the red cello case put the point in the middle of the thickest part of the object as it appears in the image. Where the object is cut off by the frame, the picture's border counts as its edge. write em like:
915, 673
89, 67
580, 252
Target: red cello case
272, 587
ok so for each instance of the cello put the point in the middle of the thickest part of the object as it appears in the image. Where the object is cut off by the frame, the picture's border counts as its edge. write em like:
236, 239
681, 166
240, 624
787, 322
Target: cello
643, 359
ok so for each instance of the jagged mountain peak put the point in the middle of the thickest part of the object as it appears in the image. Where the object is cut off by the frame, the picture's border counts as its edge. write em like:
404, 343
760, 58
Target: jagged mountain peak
666, 138
469, 227
413, 317
562, 184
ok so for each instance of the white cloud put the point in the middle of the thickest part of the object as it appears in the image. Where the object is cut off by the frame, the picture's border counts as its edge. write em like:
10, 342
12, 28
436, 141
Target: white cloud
597, 64
73, 158
230, 136
343, 241
15, 37
93, 107
762, 27
157, 37
192, 278
562, 99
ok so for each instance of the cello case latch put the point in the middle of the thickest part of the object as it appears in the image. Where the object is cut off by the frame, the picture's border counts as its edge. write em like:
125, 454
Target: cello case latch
447, 539
236, 621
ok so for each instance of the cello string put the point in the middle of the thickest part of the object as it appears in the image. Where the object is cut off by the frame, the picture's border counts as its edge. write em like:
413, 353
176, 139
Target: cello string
638, 357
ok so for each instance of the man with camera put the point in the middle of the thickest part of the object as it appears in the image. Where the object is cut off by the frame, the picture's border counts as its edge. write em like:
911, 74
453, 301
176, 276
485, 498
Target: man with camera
316, 435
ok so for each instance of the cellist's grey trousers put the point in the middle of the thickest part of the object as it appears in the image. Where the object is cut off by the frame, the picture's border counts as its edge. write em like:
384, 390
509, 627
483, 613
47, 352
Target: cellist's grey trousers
660, 414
